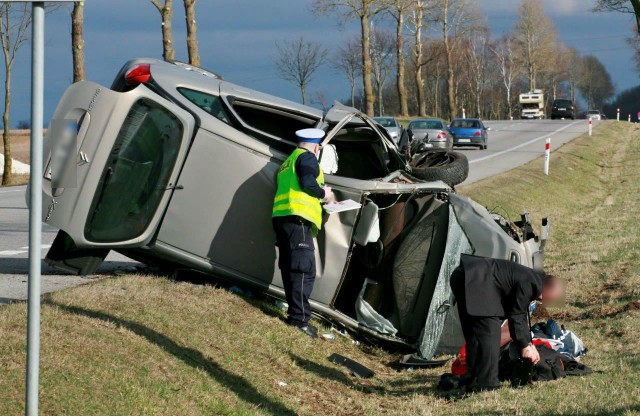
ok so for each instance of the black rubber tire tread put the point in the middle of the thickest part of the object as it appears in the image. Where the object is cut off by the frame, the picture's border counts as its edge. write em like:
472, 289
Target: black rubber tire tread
449, 167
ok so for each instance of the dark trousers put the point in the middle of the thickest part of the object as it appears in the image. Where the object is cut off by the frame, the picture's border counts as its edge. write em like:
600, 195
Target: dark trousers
297, 263
482, 337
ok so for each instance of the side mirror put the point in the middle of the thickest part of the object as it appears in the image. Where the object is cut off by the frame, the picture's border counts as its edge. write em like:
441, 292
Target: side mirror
410, 134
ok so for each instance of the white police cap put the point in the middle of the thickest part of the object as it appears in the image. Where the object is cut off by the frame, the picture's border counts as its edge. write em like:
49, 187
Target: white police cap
310, 135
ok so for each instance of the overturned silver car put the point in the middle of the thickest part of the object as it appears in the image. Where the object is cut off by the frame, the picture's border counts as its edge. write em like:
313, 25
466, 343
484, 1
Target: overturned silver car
176, 167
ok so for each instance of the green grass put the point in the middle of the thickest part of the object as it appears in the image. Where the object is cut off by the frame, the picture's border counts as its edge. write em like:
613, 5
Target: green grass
142, 345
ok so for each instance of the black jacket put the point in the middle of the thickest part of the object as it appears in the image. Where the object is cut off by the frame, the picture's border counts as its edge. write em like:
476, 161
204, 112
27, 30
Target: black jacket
501, 288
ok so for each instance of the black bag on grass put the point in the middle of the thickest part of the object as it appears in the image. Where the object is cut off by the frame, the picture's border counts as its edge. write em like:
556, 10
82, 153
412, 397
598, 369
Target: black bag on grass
522, 372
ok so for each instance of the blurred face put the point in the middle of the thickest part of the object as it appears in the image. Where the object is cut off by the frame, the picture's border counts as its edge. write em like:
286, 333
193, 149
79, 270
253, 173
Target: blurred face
553, 292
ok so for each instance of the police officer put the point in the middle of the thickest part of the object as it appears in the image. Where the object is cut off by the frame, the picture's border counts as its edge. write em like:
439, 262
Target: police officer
297, 217
486, 291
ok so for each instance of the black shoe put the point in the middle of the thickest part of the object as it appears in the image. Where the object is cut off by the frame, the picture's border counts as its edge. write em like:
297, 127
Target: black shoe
308, 329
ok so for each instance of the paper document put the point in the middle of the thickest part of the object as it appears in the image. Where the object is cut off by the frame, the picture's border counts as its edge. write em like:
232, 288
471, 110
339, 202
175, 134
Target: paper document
340, 206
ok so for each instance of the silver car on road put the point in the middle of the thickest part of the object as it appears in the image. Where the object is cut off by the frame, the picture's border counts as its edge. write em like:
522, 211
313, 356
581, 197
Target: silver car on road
176, 168
392, 125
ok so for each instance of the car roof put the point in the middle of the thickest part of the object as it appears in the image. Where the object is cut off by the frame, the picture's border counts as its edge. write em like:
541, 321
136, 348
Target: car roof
466, 119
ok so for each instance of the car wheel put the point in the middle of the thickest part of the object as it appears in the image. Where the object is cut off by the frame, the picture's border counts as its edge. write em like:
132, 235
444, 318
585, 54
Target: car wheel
484, 147
449, 167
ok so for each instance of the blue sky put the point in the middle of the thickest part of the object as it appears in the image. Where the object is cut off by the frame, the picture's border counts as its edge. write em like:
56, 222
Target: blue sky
237, 40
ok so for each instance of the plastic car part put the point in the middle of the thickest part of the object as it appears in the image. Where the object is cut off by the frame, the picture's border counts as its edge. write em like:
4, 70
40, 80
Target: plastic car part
356, 368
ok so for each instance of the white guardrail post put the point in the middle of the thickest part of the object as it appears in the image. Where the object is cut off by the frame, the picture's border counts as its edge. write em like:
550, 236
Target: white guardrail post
464, 113
629, 118
590, 127
547, 151
618, 114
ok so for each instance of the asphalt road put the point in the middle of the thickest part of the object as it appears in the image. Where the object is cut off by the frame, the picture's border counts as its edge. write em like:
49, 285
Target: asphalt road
511, 144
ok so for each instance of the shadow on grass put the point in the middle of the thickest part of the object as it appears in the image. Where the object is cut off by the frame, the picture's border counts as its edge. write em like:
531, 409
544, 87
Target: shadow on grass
194, 358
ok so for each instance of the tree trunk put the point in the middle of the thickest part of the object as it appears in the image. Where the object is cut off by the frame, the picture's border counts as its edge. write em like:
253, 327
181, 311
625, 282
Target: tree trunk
402, 90
369, 96
168, 52
451, 90
77, 41
7, 177
192, 32
303, 93
353, 93
380, 107
422, 101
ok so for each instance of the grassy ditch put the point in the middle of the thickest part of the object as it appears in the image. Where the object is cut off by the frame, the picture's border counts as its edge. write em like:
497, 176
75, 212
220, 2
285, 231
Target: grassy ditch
142, 345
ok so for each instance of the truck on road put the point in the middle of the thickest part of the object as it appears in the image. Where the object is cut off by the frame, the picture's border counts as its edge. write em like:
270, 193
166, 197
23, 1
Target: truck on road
532, 105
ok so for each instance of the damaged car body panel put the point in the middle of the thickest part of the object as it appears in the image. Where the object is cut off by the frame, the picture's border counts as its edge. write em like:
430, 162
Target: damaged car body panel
194, 170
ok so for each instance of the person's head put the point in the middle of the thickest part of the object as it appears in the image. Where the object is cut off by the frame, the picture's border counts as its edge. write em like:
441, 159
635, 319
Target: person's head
310, 139
553, 289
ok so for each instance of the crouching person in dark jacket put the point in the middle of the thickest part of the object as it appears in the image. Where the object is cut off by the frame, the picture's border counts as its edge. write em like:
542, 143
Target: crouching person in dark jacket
488, 291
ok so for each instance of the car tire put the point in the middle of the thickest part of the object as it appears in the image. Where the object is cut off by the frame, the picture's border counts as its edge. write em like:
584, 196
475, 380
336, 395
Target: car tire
484, 146
449, 167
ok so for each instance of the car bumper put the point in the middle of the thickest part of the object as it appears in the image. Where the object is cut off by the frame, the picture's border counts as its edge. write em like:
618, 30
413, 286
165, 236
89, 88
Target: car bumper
562, 114
468, 141
437, 145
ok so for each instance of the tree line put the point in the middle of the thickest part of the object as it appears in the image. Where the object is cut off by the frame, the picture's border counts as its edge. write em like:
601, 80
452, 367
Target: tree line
436, 57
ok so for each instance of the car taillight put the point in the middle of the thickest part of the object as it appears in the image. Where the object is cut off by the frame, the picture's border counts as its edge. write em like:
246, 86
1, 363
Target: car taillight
441, 136
139, 74
478, 133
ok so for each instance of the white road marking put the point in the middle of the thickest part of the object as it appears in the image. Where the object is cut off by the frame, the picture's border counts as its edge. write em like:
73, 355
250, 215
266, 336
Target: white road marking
12, 252
511, 149
22, 250
8, 192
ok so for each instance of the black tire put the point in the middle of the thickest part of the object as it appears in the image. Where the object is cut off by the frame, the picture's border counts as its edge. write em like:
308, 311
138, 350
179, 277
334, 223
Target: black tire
449, 167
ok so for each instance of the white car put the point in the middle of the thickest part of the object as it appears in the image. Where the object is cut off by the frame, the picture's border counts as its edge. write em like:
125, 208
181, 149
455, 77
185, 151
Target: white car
594, 115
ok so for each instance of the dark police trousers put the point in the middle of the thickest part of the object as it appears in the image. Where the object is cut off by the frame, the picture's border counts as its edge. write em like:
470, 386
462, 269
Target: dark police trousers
297, 263
482, 337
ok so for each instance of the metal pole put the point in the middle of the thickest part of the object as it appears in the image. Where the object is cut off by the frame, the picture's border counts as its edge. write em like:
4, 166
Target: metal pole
35, 208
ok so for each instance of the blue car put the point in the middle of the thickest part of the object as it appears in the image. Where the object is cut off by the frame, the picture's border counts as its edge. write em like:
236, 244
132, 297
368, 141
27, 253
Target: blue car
469, 132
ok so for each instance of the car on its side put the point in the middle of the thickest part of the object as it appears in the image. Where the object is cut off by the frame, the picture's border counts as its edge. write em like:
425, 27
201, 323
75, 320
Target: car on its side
593, 115
176, 168
563, 108
469, 132
392, 125
429, 134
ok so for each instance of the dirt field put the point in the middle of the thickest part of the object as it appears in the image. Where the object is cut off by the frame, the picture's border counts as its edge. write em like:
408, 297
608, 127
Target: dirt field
19, 145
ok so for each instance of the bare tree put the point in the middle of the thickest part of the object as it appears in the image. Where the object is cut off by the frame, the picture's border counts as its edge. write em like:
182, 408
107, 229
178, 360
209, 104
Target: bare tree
535, 36
77, 41
298, 60
477, 51
454, 18
15, 20
348, 60
625, 6
398, 11
382, 48
166, 15
320, 97
192, 32
416, 21
364, 11
595, 83
508, 67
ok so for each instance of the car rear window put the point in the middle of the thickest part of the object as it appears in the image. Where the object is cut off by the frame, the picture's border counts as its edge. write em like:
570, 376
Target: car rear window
425, 125
468, 124
562, 103
386, 122
136, 174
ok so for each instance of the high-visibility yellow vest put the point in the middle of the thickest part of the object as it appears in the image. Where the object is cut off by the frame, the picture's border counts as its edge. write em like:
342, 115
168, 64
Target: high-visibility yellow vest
291, 199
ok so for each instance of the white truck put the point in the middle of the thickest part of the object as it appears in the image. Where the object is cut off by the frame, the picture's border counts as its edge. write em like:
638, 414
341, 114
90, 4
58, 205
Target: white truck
532, 105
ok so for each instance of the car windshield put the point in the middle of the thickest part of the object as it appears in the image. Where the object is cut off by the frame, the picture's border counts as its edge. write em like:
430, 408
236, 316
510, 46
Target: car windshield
386, 122
467, 124
562, 103
425, 125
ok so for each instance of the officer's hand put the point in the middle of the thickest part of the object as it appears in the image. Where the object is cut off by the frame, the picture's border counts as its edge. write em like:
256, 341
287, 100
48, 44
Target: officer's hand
530, 353
328, 193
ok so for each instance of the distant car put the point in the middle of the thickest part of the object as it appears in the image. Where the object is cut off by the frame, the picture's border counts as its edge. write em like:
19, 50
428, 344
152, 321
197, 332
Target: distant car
392, 126
469, 132
563, 108
593, 115
430, 133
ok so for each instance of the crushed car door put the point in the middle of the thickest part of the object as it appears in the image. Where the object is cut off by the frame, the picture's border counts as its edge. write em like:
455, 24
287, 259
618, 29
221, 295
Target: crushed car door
130, 147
